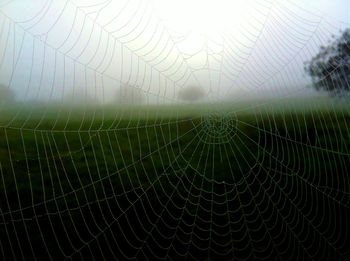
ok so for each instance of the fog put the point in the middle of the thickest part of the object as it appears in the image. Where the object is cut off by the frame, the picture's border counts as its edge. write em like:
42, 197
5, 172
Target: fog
117, 52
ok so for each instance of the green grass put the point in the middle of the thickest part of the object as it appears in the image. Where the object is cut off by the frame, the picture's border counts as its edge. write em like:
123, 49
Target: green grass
95, 162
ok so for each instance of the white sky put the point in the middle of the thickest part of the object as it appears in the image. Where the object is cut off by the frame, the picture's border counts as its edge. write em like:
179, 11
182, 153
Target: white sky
49, 49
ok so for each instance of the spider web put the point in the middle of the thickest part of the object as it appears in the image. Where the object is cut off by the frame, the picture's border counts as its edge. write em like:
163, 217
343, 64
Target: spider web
86, 177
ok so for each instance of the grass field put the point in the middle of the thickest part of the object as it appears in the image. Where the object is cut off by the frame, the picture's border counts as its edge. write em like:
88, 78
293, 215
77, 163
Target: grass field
69, 173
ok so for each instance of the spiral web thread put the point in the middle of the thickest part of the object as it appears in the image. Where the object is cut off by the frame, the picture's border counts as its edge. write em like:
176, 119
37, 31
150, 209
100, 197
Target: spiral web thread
261, 180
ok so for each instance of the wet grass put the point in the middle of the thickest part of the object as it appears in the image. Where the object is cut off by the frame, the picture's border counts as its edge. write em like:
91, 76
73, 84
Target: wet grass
66, 173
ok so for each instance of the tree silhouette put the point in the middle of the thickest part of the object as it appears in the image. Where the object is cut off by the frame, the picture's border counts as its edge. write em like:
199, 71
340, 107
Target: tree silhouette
7, 96
191, 94
129, 95
80, 97
330, 68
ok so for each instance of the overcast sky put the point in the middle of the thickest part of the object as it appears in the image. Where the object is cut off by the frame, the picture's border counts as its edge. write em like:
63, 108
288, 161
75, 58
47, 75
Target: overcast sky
52, 49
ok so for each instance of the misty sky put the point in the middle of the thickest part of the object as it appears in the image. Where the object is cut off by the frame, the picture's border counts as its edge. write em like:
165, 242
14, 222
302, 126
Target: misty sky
53, 50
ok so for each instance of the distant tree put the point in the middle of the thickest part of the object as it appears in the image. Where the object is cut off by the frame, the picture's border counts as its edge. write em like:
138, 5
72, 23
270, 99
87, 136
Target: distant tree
191, 94
330, 68
7, 97
129, 95
79, 97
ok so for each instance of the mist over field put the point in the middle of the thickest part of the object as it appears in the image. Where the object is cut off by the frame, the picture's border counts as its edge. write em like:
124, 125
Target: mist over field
86, 53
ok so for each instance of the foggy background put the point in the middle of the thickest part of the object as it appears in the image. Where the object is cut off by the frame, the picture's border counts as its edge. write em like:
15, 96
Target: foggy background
146, 52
